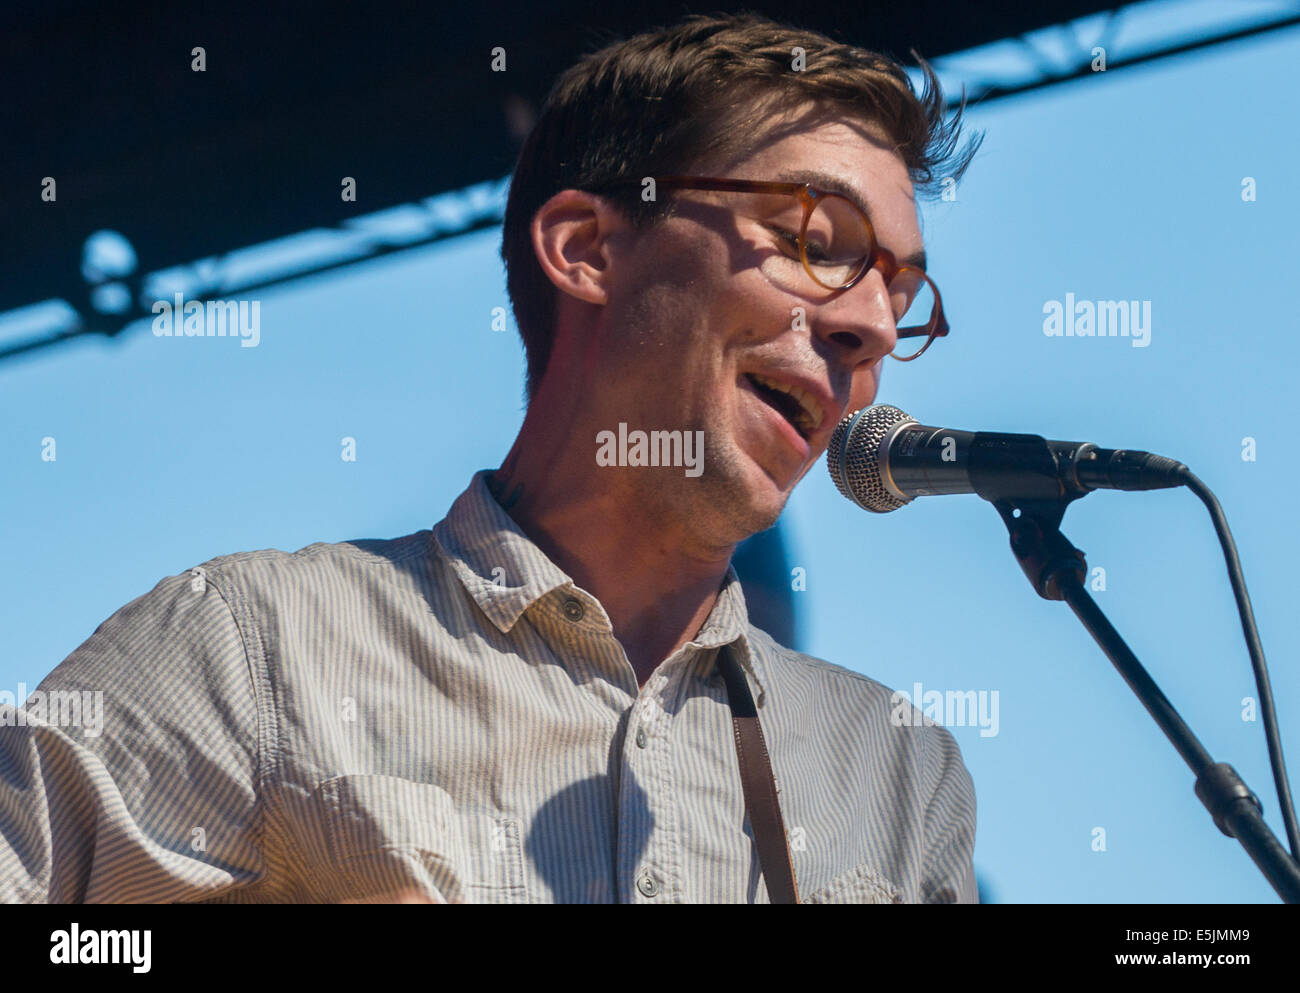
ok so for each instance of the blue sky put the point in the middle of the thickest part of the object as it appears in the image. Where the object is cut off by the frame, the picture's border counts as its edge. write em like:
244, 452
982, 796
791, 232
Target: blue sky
1125, 185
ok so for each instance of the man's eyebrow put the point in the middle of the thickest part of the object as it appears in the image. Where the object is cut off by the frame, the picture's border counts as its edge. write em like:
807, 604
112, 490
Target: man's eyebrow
835, 184
827, 182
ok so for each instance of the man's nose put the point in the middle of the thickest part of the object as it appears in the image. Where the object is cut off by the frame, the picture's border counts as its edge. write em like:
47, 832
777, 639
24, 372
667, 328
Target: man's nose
859, 321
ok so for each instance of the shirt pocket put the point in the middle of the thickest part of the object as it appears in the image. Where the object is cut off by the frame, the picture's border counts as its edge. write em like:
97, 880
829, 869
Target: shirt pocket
861, 884
388, 837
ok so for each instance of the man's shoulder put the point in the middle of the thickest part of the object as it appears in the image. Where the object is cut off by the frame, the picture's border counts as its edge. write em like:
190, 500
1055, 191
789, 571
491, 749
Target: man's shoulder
811, 688
230, 594
208, 618
794, 671
853, 721
269, 573
373, 552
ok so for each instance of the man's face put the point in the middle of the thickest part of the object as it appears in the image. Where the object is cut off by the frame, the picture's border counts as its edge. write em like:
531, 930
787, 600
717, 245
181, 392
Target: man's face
709, 299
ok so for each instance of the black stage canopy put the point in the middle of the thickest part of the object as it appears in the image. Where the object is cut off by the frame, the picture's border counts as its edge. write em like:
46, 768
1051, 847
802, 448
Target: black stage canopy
102, 98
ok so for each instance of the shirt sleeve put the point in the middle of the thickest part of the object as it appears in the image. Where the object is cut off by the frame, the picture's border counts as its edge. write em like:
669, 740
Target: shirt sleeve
130, 774
949, 872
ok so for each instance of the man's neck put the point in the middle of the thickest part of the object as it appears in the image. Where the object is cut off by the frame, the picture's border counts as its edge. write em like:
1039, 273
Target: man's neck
657, 589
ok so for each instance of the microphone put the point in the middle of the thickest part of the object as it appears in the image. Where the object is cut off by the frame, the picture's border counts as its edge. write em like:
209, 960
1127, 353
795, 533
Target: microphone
881, 458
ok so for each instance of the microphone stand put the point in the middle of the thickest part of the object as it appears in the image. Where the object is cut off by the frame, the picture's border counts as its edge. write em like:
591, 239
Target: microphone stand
1056, 569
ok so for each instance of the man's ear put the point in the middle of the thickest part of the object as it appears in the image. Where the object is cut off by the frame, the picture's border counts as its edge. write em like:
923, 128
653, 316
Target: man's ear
571, 234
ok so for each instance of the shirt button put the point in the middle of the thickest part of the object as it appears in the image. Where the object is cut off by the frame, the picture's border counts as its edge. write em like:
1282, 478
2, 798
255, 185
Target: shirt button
573, 609
640, 738
646, 884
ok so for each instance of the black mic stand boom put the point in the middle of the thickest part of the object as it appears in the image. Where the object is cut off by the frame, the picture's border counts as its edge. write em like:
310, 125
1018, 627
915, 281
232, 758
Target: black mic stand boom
1056, 570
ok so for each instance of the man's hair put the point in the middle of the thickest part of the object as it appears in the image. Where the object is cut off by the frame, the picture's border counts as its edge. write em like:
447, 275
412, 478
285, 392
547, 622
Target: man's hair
656, 103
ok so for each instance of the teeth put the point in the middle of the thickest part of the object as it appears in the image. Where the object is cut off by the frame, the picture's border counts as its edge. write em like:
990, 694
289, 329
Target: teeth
812, 415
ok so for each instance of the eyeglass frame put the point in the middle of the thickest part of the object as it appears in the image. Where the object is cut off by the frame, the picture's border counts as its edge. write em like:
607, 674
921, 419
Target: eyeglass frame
809, 196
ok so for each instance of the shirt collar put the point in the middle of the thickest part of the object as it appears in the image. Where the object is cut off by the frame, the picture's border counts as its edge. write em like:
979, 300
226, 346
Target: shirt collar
505, 573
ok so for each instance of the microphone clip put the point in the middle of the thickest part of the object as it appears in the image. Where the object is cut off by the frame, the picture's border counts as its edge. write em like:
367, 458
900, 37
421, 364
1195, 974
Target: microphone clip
1044, 553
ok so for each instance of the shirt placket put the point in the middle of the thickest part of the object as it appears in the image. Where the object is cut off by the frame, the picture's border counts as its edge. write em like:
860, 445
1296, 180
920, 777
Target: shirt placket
647, 850
650, 851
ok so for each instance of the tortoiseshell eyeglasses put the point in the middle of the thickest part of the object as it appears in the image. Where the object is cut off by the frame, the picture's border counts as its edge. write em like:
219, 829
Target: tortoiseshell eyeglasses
837, 246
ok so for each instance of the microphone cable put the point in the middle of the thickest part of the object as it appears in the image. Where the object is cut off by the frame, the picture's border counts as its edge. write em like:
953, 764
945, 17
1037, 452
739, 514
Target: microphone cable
1256, 650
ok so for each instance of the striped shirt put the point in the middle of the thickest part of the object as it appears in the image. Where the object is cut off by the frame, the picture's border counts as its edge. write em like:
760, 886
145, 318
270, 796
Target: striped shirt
448, 714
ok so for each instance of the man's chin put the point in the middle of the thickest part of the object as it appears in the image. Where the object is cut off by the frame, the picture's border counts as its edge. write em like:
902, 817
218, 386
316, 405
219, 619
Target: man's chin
803, 472
776, 488
765, 500
747, 495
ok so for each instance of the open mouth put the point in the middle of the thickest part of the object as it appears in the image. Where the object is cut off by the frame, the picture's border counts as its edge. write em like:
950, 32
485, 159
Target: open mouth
785, 404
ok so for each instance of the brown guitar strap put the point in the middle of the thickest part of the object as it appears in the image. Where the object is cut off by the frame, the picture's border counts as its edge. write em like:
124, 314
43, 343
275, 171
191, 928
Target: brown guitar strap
759, 785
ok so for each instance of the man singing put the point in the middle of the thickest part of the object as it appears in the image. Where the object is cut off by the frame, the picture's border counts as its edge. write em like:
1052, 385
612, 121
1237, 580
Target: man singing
712, 245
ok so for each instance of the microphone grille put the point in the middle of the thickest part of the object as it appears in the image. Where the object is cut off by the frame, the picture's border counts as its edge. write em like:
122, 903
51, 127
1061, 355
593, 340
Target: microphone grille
853, 456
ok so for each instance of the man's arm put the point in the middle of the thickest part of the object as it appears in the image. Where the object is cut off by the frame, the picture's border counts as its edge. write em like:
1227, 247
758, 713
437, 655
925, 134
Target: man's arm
949, 872
143, 786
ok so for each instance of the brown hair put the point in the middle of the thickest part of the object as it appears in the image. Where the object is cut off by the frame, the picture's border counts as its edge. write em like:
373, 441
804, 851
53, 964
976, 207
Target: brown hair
659, 101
